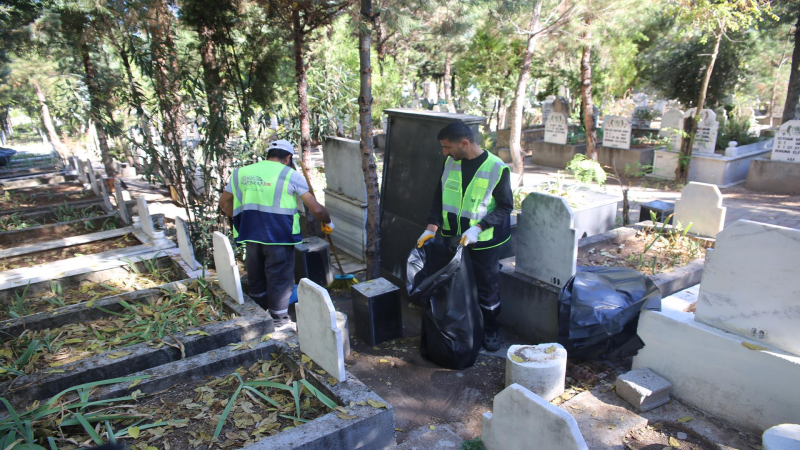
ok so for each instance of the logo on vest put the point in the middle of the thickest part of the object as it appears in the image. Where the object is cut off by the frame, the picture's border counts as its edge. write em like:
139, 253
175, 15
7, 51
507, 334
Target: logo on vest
253, 180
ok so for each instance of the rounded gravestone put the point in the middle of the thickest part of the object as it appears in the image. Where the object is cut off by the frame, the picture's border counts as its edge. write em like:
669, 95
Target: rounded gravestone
539, 368
782, 437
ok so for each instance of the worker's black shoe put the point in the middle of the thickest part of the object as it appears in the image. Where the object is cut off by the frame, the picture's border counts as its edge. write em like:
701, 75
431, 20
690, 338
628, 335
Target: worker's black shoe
491, 340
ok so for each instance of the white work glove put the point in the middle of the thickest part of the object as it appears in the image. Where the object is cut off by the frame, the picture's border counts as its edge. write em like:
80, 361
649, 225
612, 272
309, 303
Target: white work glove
327, 228
471, 236
426, 235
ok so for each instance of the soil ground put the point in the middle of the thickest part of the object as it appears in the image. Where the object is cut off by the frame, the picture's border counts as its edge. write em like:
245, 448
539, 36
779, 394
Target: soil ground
57, 254
25, 201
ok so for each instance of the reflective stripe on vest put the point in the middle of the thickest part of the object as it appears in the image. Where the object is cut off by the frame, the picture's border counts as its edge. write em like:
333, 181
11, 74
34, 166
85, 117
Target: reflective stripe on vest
479, 190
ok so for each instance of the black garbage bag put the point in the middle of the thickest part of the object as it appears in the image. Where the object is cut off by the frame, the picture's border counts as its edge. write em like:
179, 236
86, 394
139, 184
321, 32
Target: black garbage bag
5, 156
439, 278
598, 312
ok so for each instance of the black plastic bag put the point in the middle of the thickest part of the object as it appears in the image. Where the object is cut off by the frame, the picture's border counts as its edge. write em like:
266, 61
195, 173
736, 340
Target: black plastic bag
439, 278
5, 156
598, 312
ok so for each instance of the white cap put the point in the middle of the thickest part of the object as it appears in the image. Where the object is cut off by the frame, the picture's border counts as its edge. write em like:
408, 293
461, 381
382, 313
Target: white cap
282, 144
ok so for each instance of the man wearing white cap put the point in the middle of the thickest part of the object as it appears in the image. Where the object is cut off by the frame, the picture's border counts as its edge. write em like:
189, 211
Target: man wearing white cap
262, 200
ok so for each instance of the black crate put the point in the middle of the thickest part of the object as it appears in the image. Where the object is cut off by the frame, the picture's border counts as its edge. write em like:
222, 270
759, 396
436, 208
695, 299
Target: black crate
661, 208
313, 261
377, 311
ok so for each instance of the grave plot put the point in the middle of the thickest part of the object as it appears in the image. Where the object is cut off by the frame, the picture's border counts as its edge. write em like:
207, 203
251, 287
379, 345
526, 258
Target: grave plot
19, 202
255, 395
26, 181
55, 214
119, 335
35, 258
48, 296
43, 233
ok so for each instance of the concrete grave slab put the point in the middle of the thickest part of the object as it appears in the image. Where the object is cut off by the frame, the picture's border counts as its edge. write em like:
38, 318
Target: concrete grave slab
124, 214
725, 375
547, 243
787, 142
782, 437
145, 219
701, 204
519, 415
749, 284
539, 368
603, 419
227, 270
65, 242
643, 389
423, 438
184, 239
319, 334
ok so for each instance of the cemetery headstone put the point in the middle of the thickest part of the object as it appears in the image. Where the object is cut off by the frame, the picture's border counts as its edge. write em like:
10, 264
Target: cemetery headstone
227, 270
701, 204
616, 132
518, 414
641, 117
555, 130
640, 99
561, 105
705, 141
144, 217
100, 185
123, 209
749, 284
320, 337
185, 243
659, 107
547, 243
547, 108
787, 142
671, 127
722, 117
342, 158
81, 171
92, 178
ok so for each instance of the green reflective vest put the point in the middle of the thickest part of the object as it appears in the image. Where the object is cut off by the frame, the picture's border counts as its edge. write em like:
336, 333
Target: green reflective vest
263, 210
461, 210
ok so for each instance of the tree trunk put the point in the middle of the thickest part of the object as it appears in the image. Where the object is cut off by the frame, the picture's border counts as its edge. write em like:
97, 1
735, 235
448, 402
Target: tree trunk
448, 93
302, 86
217, 131
97, 107
586, 92
793, 93
48, 121
518, 105
685, 157
368, 166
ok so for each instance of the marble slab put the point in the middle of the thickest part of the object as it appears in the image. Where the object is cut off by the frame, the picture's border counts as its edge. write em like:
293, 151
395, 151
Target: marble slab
184, 241
787, 142
92, 178
100, 185
556, 130
144, 216
123, 210
319, 335
671, 123
227, 270
547, 242
749, 284
701, 205
616, 132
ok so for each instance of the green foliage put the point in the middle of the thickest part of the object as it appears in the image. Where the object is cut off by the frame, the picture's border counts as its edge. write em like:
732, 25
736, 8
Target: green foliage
736, 129
586, 170
473, 444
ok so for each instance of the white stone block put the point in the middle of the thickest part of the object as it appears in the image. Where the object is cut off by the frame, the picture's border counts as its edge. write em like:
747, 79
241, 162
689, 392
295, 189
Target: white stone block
227, 270
318, 332
542, 369
556, 128
701, 204
714, 371
144, 216
123, 210
184, 241
643, 389
749, 284
616, 132
782, 437
523, 420
547, 243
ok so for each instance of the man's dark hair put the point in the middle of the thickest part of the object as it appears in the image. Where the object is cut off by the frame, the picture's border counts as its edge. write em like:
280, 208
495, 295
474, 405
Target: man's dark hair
455, 132
277, 153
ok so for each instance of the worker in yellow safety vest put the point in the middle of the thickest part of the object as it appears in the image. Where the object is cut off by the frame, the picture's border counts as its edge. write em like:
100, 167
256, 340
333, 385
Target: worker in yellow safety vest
474, 201
262, 199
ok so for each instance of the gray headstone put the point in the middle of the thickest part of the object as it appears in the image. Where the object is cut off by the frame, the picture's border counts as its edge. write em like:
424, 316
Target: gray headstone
547, 108
701, 205
518, 414
343, 172
319, 335
144, 217
705, 141
556, 129
748, 286
123, 210
184, 243
227, 270
638, 119
547, 243
787, 142
92, 178
616, 132
100, 185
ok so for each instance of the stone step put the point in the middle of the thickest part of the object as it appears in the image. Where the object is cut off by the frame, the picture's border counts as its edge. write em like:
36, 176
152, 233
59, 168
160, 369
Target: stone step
423, 438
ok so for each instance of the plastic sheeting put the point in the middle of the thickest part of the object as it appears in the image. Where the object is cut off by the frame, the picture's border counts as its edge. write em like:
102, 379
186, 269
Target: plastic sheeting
439, 278
599, 311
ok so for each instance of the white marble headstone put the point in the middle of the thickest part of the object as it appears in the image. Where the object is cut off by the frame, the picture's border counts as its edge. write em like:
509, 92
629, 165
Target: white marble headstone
144, 216
121, 207
555, 130
616, 132
547, 243
705, 140
184, 242
227, 270
519, 417
547, 108
101, 186
749, 284
92, 178
81, 171
701, 204
319, 335
638, 120
671, 127
787, 142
